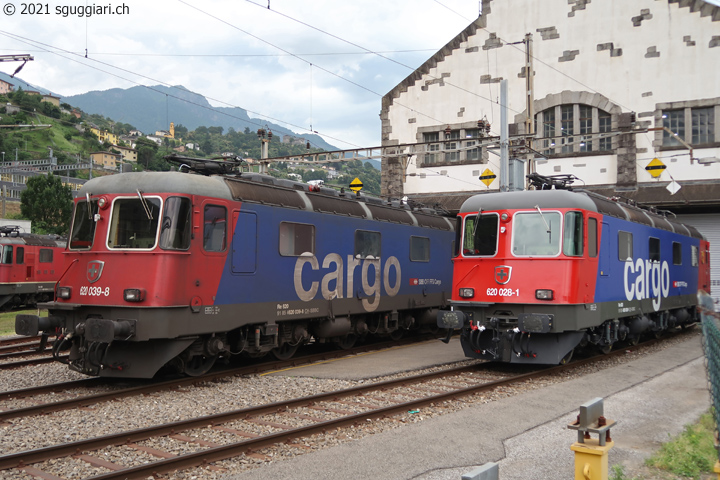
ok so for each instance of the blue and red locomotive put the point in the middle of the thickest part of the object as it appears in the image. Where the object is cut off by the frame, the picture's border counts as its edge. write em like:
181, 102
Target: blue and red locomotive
177, 270
29, 267
538, 273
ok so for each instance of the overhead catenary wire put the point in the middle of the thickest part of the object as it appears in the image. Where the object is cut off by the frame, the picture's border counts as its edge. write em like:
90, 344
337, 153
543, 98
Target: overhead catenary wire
73, 54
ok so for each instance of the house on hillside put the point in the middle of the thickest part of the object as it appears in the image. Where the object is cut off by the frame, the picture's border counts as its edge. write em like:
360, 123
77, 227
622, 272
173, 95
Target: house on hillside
51, 99
625, 96
128, 154
104, 136
108, 160
5, 87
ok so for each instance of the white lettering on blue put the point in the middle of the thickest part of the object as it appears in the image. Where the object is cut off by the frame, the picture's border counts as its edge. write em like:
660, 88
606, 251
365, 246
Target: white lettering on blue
374, 276
645, 279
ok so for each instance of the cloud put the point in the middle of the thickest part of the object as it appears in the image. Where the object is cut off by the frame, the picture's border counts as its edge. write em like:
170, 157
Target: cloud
245, 55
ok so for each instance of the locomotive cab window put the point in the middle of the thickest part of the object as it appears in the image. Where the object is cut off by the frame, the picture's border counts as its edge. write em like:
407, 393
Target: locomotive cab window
592, 237
481, 235
536, 234
134, 223
573, 234
83, 225
419, 249
20, 255
654, 249
7, 254
367, 244
214, 228
625, 246
296, 239
176, 224
677, 253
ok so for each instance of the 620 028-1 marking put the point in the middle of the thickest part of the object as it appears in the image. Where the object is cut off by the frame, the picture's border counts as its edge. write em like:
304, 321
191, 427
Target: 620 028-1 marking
95, 291
502, 292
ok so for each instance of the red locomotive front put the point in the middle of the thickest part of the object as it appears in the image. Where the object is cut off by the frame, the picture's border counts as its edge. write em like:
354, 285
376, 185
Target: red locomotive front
527, 256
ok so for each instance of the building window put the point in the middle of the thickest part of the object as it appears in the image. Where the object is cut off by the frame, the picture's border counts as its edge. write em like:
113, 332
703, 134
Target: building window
453, 145
691, 125
456, 144
574, 128
472, 153
433, 147
703, 125
585, 128
604, 126
566, 128
675, 121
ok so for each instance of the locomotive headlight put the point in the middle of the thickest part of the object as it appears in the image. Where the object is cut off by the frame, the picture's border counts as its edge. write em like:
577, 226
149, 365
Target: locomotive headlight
103, 203
544, 294
134, 295
467, 292
64, 293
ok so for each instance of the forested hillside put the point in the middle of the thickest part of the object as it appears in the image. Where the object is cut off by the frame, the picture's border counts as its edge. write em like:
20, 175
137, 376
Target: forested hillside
71, 141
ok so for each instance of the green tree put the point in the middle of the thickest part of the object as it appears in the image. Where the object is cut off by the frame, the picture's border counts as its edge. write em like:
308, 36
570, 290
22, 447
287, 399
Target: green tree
47, 203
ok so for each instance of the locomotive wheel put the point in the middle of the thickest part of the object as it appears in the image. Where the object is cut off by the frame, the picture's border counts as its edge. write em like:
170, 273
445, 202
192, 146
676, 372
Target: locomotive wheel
285, 351
346, 342
633, 340
199, 365
396, 335
605, 349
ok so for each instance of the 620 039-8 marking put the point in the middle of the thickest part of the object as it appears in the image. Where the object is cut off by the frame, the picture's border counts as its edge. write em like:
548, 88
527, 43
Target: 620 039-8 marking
95, 291
502, 292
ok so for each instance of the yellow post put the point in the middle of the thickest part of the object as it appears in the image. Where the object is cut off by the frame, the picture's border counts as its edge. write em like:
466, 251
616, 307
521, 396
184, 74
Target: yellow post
591, 456
717, 469
591, 459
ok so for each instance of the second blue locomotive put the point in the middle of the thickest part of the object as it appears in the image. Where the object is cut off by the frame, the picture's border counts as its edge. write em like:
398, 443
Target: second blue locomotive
538, 273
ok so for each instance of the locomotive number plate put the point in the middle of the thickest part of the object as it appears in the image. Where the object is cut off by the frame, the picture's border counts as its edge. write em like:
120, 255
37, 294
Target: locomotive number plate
94, 291
502, 292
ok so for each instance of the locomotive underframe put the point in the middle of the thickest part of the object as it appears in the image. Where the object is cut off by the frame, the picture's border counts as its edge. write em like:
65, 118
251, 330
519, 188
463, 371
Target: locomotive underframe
548, 334
25, 293
119, 341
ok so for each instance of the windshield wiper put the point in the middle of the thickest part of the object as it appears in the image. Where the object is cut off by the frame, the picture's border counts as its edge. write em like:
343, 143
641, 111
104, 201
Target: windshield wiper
145, 205
477, 222
89, 206
537, 207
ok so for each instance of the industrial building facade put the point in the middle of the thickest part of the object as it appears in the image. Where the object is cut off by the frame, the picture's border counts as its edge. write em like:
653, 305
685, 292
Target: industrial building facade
624, 96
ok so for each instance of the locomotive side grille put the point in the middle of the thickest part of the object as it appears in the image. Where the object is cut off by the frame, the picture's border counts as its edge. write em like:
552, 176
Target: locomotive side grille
323, 203
268, 194
390, 215
432, 222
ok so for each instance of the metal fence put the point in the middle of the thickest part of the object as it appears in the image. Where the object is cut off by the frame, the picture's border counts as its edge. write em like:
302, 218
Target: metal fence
711, 345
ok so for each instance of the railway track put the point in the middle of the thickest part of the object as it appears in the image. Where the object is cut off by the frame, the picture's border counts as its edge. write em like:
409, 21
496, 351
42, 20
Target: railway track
248, 430
73, 400
38, 347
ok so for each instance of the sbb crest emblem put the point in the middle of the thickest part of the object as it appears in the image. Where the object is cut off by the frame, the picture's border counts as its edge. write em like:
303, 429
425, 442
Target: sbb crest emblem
94, 270
502, 274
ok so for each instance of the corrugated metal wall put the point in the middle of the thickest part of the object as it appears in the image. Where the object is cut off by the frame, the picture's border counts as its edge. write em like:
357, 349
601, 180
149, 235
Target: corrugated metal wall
709, 225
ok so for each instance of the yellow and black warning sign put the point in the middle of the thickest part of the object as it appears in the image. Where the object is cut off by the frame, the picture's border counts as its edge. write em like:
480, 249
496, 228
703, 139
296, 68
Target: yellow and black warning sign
356, 185
655, 167
487, 177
